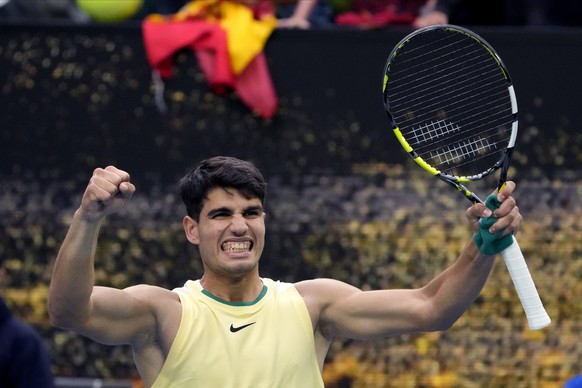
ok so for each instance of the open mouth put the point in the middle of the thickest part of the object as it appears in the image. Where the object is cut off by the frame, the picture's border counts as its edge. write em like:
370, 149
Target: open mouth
237, 246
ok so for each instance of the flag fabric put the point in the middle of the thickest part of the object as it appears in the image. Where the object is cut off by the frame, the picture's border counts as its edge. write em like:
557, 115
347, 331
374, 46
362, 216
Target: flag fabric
228, 39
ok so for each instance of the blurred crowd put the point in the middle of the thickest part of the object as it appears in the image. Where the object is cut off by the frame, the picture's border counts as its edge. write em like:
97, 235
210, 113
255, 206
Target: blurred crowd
320, 13
378, 227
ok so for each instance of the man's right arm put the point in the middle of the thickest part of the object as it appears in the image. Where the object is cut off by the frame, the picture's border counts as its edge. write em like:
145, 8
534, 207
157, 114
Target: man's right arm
73, 275
107, 315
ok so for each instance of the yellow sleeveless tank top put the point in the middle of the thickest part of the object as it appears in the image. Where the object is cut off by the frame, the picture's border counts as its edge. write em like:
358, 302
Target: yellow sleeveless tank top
267, 343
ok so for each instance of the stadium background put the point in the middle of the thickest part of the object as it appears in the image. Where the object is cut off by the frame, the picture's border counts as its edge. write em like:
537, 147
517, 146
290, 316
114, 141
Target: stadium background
343, 200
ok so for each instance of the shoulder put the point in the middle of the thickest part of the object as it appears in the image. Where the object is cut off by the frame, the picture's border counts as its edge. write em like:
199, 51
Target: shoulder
277, 284
324, 291
146, 290
322, 285
166, 307
319, 295
152, 295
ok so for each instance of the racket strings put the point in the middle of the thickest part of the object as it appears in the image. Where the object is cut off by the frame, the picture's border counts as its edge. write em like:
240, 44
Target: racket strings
447, 90
434, 92
462, 154
450, 101
430, 135
486, 121
470, 149
415, 71
470, 115
458, 96
436, 130
420, 50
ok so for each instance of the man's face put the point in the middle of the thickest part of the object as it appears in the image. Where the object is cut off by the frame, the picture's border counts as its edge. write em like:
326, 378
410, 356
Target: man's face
230, 233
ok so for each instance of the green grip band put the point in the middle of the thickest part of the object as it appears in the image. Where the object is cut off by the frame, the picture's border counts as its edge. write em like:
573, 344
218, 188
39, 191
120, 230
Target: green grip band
491, 243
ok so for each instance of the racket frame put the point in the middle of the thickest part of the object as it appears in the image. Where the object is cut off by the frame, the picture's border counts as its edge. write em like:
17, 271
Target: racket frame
536, 314
457, 181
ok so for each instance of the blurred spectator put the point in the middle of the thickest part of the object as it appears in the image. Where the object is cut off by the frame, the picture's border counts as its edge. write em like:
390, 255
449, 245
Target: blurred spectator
24, 360
421, 13
429, 14
364, 13
380, 13
304, 14
40, 9
70, 10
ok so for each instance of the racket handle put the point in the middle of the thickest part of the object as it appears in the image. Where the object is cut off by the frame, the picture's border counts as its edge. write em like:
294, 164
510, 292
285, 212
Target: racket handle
536, 314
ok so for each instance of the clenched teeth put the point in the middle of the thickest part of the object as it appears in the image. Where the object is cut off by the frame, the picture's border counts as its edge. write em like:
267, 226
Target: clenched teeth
236, 246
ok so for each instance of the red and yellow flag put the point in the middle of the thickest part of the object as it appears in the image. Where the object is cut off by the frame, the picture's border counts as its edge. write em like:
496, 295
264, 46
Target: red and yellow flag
228, 38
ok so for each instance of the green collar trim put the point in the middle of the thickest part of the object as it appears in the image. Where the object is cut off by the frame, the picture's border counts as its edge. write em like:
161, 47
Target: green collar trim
261, 296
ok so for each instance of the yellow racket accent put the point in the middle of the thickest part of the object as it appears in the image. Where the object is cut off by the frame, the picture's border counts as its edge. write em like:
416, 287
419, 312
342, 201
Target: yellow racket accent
422, 163
402, 140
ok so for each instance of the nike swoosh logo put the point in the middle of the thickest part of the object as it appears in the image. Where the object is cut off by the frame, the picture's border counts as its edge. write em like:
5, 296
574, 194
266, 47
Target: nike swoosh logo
235, 329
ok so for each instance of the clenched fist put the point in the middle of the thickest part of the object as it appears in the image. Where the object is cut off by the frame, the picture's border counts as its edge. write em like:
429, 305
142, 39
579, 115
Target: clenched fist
108, 191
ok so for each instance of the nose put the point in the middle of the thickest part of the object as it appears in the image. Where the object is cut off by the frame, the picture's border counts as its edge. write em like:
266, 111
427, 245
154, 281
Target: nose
238, 226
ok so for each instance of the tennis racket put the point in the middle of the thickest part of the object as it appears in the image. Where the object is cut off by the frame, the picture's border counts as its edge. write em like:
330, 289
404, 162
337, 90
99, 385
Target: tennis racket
452, 107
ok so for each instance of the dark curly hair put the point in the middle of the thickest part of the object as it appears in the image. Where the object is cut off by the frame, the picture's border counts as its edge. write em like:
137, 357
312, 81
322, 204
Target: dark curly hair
220, 172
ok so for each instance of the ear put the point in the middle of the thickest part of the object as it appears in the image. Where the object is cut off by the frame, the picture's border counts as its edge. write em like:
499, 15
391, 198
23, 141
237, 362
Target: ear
191, 230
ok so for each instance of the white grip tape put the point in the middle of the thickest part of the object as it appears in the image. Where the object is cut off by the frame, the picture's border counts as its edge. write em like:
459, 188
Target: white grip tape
535, 312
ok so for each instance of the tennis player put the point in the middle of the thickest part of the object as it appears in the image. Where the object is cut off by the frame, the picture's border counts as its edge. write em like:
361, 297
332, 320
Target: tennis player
232, 327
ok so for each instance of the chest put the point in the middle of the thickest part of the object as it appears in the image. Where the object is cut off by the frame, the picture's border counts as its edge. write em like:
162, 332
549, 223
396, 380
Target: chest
244, 347
273, 336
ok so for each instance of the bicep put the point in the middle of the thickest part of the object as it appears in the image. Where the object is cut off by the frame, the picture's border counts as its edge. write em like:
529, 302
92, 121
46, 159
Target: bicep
119, 316
358, 314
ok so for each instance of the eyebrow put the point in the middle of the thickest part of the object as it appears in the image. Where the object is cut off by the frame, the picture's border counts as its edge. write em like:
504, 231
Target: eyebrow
254, 208
224, 209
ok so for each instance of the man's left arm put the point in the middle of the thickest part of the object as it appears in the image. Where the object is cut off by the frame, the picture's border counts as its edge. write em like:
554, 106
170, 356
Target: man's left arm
346, 311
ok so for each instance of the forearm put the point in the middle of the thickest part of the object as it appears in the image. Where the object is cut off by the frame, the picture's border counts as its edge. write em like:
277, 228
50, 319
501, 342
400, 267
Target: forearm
453, 291
303, 9
73, 274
